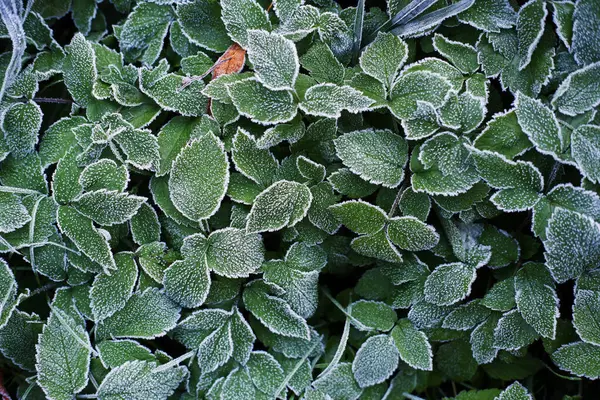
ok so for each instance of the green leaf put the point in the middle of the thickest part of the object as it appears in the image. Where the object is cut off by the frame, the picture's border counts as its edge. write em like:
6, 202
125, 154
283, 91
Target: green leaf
282, 204
562, 17
20, 124
513, 332
187, 282
489, 15
86, 237
13, 214
373, 315
79, 69
58, 138
415, 204
462, 112
383, 58
571, 244
501, 297
253, 100
146, 315
65, 182
462, 55
466, 316
516, 391
585, 35
585, 147
377, 156
482, 339
578, 93
349, 184
114, 353
412, 345
530, 27
109, 293
144, 31
199, 178
503, 135
322, 64
233, 253
329, 100
241, 16
104, 174
359, 216
19, 337
108, 207
418, 86
409, 233
579, 358
455, 360
449, 283
273, 312
375, 361
254, 163
585, 316
63, 356
274, 59
144, 225
141, 380
339, 383
536, 298
201, 24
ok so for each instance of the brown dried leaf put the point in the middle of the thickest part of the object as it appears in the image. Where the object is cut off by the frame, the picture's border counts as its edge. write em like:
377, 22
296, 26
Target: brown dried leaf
231, 62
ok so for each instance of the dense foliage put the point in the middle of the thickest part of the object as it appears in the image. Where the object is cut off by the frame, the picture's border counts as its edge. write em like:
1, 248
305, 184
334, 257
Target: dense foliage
240, 199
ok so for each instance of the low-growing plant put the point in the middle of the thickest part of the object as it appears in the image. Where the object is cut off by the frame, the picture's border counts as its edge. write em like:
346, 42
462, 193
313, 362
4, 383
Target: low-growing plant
240, 199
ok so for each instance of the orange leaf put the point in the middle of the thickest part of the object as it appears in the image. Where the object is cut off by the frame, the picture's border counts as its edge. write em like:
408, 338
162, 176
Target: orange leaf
231, 62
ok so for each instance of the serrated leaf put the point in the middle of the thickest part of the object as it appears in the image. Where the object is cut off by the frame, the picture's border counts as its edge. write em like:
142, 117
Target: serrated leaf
322, 64
137, 380
375, 361
462, 55
516, 391
571, 244
501, 297
373, 315
359, 216
377, 156
377, 245
19, 337
339, 383
108, 207
585, 35
329, 100
253, 100
530, 27
409, 233
585, 147
482, 340
63, 356
462, 112
503, 135
412, 87
536, 298
585, 316
282, 204
233, 253
384, 57
114, 353
254, 163
415, 204
579, 358
241, 16
578, 93
513, 332
86, 237
187, 282
273, 312
109, 293
274, 59
201, 23
21, 123
79, 69
489, 15
466, 316
146, 315
449, 283
13, 215
199, 177
412, 345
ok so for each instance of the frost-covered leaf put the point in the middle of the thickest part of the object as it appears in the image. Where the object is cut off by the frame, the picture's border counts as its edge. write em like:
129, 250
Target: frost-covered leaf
466, 316
462, 55
241, 16
516, 391
489, 15
320, 61
145, 227
375, 361
201, 23
282, 204
377, 245
462, 112
409, 233
233, 253
536, 298
273, 312
449, 283
19, 337
274, 59
146, 315
384, 57
79, 69
373, 315
187, 282
585, 147
503, 135
571, 244
513, 332
585, 34
482, 340
108, 207
359, 216
377, 156
13, 214
254, 163
413, 345
86, 237
104, 174
109, 293
530, 27
21, 123
63, 356
585, 316
578, 93
579, 358
329, 100
339, 383
114, 353
199, 178
253, 100
141, 380
412, 87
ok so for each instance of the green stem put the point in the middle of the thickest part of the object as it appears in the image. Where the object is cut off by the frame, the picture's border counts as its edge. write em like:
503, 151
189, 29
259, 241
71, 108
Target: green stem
342, 346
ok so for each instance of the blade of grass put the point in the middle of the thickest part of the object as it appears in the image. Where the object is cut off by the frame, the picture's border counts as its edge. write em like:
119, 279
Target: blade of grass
358, 28
430, 20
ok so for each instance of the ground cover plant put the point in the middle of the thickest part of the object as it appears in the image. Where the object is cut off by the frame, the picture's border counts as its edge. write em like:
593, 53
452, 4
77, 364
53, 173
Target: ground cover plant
240, 199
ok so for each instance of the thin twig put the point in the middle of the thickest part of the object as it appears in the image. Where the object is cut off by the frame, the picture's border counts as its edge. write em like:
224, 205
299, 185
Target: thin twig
54, 100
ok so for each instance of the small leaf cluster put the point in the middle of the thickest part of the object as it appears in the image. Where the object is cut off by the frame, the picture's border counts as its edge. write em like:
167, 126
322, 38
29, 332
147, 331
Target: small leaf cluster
239, 199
